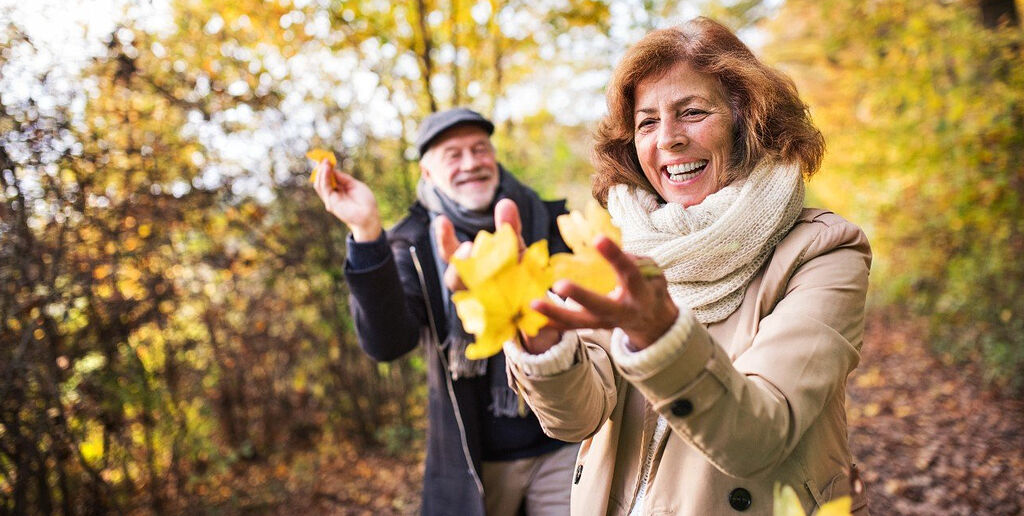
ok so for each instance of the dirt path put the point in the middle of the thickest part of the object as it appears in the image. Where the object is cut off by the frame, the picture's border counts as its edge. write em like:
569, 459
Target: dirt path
927, 440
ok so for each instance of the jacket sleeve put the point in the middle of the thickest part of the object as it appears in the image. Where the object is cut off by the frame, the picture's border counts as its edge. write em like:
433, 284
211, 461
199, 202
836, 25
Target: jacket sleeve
746, 415
386, 301
572, 395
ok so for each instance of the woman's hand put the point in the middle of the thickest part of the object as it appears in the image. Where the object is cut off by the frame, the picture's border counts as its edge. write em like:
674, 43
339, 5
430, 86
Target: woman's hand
640, 305
351, 201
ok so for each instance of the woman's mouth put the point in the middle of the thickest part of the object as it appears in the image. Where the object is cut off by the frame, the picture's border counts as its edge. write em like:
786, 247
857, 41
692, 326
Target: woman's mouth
684, 172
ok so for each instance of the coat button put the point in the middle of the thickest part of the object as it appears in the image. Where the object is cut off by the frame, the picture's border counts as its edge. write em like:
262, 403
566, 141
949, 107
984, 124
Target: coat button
579, 473
739, 499
682, 407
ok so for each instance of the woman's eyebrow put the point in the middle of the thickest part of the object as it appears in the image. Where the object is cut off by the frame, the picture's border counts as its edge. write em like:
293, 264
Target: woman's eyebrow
683, 101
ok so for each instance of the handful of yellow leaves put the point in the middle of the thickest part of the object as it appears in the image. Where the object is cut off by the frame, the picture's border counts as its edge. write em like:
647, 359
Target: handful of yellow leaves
500, 285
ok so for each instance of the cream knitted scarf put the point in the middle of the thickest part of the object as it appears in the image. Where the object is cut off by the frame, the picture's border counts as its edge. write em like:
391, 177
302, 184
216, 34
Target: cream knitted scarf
710, 251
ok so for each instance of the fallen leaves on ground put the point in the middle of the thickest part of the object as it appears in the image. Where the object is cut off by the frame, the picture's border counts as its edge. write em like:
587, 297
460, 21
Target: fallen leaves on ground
360, 481
926, 438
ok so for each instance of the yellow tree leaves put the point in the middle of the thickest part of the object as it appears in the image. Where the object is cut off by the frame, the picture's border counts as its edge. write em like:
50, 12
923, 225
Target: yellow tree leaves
500, 287
586, 267
501, 284
787, 503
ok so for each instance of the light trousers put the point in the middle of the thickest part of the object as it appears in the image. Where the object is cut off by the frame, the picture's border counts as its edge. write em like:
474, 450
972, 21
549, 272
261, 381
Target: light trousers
541, 485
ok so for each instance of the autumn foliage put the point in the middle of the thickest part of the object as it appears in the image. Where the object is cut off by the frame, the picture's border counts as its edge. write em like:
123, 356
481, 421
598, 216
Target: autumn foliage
174, 328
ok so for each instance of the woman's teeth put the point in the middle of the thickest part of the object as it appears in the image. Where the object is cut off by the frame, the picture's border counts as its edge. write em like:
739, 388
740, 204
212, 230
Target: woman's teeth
686, 171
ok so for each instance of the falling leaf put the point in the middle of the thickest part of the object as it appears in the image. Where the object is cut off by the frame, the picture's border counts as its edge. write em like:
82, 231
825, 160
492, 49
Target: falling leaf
787, 503
839, 507
500, 287
317, 155
585, 266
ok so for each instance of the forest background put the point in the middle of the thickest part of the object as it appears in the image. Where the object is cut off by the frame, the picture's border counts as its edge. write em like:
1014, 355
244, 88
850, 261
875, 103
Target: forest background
174, 329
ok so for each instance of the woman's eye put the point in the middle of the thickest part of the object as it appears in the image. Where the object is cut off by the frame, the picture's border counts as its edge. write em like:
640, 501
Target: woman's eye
694, 113
644, 124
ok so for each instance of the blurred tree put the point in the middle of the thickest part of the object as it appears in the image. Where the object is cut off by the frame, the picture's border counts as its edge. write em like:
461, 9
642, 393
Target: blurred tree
923, 110
175, 331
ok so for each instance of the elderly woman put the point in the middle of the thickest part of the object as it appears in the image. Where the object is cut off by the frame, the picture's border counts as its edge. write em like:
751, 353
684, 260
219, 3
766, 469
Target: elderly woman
725, 372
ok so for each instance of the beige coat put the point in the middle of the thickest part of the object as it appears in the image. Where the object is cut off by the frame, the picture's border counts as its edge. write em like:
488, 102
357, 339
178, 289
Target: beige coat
753, 400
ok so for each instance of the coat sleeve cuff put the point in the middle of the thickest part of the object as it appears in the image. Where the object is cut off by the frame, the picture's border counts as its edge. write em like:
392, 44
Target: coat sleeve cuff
655, 356
364, 256
557, 359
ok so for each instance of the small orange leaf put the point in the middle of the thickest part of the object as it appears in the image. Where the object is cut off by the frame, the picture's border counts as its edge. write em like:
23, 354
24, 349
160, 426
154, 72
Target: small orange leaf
317, 155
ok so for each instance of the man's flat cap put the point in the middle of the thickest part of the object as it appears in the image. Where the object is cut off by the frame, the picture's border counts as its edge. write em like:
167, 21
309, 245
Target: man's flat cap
439, 122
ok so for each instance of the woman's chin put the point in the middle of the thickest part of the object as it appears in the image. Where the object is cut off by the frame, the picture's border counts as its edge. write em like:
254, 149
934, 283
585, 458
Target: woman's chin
689, 195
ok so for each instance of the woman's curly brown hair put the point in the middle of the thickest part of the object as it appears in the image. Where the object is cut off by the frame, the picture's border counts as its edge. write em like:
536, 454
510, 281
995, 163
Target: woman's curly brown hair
769, 119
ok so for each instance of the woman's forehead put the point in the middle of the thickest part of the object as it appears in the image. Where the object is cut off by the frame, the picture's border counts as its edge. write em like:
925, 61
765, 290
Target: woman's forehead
679, 84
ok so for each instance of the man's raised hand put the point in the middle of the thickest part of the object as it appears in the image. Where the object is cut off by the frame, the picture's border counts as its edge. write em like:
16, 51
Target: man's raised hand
351, 201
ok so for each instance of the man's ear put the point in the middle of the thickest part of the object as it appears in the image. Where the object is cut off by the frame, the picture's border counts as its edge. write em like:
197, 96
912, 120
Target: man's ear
425, 169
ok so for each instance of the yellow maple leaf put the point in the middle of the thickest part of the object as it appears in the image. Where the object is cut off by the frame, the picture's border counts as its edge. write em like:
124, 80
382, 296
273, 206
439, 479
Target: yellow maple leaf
317, 155
580, 229
586, 267
500, 287
787, 503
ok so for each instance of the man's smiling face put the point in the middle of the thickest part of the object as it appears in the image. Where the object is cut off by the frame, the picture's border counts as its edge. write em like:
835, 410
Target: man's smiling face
462, 166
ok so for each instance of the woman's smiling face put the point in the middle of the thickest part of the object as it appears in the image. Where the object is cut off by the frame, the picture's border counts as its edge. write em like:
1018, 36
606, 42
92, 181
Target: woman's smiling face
683, 133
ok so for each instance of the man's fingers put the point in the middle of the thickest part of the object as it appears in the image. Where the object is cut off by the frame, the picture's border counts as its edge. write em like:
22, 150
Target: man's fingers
452, 279
319, 171
342, 180
451, 276
464, 250
444, 237
506, 212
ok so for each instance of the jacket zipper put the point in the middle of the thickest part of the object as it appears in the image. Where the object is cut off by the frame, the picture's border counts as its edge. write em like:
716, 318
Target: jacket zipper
447, 374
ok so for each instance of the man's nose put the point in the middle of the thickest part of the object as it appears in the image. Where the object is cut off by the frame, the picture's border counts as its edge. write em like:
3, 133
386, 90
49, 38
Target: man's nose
468, 161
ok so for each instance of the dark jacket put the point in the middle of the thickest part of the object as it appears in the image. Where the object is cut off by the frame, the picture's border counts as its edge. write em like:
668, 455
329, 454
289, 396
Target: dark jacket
391, 316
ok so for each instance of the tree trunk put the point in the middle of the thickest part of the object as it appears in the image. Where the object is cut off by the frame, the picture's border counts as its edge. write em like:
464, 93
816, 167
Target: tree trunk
496, 57
995, 13
456, 86
426, 62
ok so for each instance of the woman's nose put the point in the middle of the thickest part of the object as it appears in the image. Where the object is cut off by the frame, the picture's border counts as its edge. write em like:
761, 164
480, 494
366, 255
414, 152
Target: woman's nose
671, 136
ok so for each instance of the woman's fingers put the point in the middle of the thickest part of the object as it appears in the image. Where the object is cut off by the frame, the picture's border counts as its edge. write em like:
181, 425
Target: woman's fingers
630, 277
562, 318
598, 304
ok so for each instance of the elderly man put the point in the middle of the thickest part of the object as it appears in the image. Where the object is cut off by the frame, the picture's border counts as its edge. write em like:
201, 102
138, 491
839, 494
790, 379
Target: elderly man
484, 452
